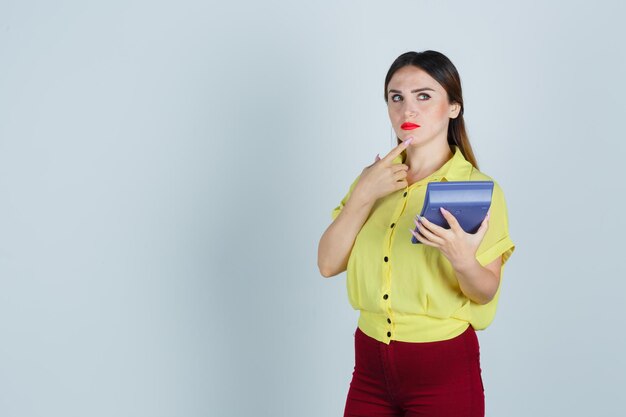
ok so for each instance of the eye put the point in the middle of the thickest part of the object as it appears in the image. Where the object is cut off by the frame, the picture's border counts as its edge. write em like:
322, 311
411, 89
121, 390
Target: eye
393, 98
423, 95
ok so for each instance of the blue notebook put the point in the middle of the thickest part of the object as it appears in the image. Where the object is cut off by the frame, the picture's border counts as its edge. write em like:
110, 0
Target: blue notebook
468, 201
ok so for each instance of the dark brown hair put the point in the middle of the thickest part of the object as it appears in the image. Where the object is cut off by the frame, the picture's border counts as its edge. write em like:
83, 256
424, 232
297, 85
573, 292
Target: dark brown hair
438, 66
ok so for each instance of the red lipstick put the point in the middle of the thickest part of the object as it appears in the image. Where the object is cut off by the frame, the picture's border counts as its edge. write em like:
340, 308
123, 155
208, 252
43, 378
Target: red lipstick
409, 126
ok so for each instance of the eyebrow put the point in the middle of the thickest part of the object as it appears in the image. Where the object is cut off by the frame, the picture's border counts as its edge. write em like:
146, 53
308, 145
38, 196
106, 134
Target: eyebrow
413, 91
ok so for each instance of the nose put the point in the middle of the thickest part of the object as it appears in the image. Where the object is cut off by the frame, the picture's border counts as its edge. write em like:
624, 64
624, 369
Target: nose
410, 110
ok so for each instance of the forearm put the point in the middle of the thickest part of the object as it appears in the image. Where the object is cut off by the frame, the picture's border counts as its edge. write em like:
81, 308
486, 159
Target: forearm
478, 283
337, 241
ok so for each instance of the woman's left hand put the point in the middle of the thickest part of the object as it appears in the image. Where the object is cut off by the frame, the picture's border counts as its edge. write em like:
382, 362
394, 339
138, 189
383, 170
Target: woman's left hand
457, 245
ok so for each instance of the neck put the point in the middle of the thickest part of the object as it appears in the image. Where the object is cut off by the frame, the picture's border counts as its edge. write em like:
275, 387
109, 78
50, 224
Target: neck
425, 159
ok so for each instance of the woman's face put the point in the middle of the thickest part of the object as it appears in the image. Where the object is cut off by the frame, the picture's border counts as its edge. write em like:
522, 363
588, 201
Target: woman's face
415, 97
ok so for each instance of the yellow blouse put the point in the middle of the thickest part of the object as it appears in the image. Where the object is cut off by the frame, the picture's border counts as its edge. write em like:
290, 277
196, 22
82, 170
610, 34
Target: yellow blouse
409, 292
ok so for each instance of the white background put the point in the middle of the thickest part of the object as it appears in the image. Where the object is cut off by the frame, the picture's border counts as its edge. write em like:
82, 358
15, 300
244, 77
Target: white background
167, 170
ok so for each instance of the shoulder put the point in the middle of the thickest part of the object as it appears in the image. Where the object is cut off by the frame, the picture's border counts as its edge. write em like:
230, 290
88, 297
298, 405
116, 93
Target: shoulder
477, 175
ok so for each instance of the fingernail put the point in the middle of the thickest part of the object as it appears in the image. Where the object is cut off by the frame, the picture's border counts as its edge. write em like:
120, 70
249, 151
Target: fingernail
488, 214
442, 209
408, 141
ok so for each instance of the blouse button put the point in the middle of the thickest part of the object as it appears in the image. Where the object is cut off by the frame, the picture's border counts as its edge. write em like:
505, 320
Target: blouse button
392, 225
405, 193
388, 334
386, 259
385, 296
389, 320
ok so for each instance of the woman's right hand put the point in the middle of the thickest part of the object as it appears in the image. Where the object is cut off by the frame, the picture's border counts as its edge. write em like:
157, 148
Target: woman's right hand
383, 176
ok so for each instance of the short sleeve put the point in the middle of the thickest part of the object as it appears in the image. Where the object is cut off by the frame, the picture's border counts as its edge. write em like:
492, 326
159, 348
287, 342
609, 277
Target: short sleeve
496, 241
338, 209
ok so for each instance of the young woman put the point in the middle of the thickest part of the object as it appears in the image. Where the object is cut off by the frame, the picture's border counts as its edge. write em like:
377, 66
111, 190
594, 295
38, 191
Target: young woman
416, 349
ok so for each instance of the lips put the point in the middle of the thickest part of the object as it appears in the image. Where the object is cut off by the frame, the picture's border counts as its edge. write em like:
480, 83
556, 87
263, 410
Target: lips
409, 126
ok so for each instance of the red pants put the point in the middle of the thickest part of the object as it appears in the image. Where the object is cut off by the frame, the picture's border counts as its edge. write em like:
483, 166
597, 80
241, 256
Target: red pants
431, 379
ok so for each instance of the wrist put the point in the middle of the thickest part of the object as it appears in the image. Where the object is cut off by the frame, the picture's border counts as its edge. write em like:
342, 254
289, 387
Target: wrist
466, 265
359, 200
